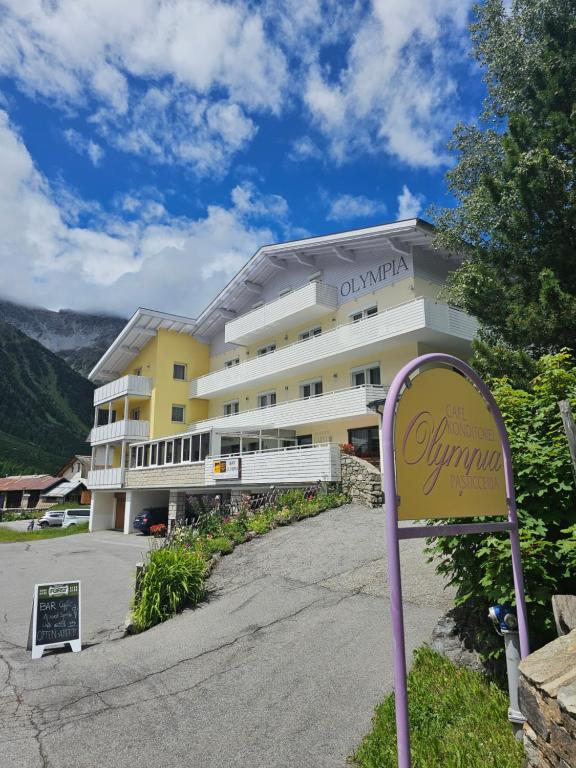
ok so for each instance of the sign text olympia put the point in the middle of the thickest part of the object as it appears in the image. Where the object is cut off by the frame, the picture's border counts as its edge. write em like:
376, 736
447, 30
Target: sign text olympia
445, 454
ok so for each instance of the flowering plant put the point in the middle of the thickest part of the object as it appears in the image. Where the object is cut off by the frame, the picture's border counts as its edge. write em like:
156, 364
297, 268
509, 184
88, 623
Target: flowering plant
348, 448
158, 530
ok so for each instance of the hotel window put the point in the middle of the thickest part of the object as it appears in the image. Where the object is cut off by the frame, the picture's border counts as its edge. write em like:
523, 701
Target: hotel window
179, 371
178, 413
135, 414
137, 371
160, 453
362, 313
200, 446
154, 454
366, 442
316, 331
265, 350
368, 374
304, 440
139, 456
232, 363
177, 451
231, 408
266, 399
169, 451
311, 388
133, 456
186, 449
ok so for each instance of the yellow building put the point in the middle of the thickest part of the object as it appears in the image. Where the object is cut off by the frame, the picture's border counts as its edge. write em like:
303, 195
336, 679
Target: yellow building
277, 372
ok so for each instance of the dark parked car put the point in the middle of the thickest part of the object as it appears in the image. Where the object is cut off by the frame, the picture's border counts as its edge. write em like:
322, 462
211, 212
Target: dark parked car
150, 516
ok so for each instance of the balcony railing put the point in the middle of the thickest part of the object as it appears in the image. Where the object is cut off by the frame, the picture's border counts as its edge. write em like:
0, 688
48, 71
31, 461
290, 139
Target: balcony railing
139, 386
129, 429
294, 465
421, 319
105, 478
307, 303
339, 404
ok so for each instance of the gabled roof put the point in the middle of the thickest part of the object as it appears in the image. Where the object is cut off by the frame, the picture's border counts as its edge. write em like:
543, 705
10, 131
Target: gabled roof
141, 327
399, 236
64, 489
84, 460
28, 482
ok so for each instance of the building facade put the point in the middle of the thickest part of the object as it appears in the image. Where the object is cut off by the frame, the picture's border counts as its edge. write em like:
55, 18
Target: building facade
277, 372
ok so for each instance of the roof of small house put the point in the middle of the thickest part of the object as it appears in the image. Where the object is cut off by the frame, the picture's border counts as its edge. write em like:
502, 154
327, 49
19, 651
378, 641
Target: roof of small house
84, 460
62, 490
28, 482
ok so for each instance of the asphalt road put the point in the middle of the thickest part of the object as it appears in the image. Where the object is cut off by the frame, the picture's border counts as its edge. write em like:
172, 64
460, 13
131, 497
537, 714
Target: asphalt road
104, 562
281, 667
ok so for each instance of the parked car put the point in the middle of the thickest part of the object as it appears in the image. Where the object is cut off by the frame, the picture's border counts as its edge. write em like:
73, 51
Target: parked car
51, 519
75, 516
150, 516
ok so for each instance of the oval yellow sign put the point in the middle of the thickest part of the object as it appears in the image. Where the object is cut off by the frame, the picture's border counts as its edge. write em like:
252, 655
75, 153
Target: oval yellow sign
448, 452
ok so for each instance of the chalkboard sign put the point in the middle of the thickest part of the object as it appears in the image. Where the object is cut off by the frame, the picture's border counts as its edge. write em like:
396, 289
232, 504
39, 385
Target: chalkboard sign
56, 616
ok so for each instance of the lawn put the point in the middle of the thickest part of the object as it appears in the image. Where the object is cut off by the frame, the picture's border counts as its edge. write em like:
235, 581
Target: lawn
9, 535
457, 719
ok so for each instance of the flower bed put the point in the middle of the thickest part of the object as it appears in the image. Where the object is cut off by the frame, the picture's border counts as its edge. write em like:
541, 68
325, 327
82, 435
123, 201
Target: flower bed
175, 570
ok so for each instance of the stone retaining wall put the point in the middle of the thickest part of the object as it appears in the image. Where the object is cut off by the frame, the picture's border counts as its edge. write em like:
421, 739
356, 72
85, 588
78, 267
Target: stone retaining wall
361, 481
548, 701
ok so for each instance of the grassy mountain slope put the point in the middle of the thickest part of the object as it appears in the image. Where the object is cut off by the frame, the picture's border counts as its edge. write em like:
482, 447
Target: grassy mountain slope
45, 406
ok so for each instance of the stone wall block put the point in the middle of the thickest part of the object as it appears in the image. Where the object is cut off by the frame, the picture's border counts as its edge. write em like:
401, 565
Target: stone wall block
361, 481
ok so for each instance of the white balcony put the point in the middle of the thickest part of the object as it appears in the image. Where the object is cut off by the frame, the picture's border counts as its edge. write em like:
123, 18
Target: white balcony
340, 404
99, 479
294, 466
422, 320
136, 386
295, 308
129, 429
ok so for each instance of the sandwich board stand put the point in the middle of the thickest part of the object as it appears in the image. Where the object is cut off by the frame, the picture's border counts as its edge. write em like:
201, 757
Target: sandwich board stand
445, 454
55, 617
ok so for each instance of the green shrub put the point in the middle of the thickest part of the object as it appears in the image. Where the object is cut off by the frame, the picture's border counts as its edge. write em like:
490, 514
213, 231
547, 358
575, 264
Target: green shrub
259, 524
220, 544
172, 576
481, 565
457, 719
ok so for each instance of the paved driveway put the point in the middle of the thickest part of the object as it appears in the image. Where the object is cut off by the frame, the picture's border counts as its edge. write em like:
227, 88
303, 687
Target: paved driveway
104, 562
280, 668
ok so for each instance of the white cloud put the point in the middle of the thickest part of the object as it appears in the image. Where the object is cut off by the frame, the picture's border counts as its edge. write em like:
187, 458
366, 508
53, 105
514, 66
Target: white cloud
148, 63
396, 93
116, 263
409, 205
171, 125
84, 146
302, 149
346, 207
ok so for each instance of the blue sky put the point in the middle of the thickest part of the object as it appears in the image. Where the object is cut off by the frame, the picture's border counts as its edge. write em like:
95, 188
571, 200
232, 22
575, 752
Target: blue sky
148, 148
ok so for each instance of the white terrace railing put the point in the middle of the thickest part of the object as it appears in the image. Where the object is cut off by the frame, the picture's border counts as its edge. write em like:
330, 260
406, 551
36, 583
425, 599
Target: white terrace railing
305, 303
128, 429
139, 386
339, 404
105, 478
418, 319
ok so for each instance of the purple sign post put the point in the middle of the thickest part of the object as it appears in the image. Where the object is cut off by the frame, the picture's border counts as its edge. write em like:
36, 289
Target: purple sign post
445, 454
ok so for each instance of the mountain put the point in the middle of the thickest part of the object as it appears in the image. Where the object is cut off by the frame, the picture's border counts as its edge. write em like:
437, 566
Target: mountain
45, 407
77, 337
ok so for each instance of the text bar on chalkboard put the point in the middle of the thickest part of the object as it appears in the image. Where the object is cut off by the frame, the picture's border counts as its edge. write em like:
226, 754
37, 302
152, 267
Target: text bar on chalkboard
56, 617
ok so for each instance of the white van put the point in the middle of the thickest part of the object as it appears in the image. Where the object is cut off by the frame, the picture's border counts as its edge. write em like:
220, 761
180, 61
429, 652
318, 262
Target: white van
75, 516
